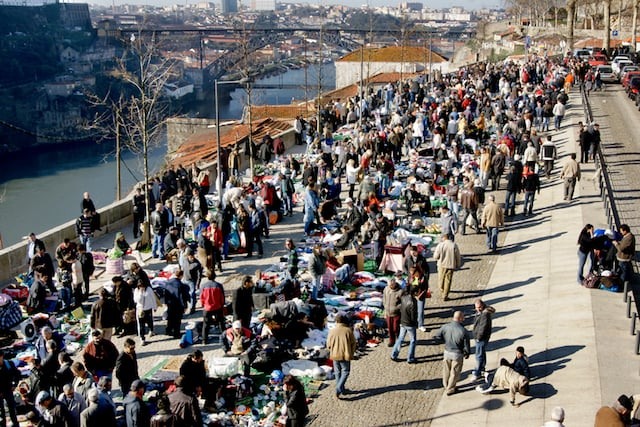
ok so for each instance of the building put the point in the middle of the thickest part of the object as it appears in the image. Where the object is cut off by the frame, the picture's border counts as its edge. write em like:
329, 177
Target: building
263, 5
411, 6
401, 59
229, 6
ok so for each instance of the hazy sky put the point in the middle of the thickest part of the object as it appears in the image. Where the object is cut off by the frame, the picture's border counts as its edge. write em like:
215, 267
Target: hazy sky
433, 4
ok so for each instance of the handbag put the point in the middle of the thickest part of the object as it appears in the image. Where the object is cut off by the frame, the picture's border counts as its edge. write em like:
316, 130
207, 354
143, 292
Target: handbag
129, 316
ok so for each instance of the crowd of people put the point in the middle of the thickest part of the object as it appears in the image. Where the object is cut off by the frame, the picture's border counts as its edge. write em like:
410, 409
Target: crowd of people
484, 123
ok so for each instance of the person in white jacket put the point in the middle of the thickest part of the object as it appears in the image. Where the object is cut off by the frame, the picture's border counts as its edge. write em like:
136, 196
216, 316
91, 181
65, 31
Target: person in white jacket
145, 300
352, 176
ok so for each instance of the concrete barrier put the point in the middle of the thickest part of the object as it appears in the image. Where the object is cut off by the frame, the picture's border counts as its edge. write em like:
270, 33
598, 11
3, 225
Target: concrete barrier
13, 259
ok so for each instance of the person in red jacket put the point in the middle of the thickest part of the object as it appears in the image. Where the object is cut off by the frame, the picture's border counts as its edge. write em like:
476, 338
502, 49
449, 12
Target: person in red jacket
212, 299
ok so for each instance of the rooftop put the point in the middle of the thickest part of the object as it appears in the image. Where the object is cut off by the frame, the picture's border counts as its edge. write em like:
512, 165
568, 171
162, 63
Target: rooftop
393, 54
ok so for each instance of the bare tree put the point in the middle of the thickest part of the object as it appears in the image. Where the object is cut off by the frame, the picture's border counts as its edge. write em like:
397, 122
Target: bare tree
606, 36
571, 13
139, 116
634, 24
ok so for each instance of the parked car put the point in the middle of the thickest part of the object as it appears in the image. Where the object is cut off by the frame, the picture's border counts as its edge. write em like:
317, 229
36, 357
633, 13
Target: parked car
620, 66
598, 59
627, 77
606, 74
633, 88
615, 61
627, 69
581, 54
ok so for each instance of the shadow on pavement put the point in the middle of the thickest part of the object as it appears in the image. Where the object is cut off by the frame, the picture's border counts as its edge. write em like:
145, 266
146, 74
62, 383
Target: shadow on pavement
412, 385
512, 285
540, 391
505, 342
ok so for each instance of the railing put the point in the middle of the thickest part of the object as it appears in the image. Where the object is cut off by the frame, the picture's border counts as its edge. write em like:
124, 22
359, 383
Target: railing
614, 222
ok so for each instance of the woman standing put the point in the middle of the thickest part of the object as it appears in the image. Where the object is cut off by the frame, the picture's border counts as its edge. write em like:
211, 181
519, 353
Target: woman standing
145, 300
585, 249
296, 402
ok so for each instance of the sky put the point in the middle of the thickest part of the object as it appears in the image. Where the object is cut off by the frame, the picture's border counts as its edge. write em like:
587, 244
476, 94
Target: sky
432, 4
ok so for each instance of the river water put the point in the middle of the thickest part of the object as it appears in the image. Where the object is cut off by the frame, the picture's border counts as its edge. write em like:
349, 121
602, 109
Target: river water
42, 188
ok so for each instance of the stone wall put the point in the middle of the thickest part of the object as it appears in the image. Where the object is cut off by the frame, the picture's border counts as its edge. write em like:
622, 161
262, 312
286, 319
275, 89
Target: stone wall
179, 129
13, 258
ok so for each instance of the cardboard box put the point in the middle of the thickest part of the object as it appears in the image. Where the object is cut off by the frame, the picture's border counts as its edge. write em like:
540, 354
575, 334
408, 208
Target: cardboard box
353, 258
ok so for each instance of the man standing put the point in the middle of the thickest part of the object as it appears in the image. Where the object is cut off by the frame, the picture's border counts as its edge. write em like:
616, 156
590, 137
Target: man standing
492, 218
408, 324
84, 229
341, 343
176, 295
9, 377
530, 184
594, 139
626, 252
391, 301
159, 226
184, 406
100, 355
105, 314
135, 410
570, 173
481, 334
469, 203
34, 247
549, 155
448, 259
127, 365
255, 231
53, 412
448, 223
212, 299
456, 347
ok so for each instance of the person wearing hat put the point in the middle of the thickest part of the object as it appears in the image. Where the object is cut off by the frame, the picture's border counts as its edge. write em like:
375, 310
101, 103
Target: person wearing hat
136, 411
614, 415
53, 412
352, 216
238, 342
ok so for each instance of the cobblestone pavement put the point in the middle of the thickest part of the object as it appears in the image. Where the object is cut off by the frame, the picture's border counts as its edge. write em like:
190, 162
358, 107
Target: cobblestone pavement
384, 392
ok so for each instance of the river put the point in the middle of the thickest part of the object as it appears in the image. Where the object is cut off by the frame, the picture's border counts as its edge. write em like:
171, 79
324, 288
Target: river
42, 188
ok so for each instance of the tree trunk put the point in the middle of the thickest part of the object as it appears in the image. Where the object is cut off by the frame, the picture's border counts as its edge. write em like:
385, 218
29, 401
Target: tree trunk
606, 36
118, 172
571, 11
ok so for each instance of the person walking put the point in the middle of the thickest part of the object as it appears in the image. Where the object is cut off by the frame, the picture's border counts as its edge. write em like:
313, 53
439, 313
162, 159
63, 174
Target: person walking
492, 219
469, 203
448, 260
558, 114
145, 300
571, 174
456, 349
391, 296
530, 184
481, 334
408, 324
549, 154
448, 223
341, 343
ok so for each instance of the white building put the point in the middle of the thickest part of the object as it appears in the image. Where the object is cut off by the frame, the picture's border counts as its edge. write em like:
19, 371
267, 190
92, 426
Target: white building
400, 59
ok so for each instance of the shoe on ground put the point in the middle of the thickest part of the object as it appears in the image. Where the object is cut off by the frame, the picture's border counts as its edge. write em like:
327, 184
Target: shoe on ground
412, 361
394, 359
487, 390
144, 343
474, 377
423, 328
152, 334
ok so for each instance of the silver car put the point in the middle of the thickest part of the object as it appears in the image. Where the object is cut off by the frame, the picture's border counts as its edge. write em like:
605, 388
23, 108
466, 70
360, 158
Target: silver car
606, 74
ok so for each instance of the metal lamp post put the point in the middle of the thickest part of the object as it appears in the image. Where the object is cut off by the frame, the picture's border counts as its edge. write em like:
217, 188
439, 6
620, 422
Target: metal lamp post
219, 148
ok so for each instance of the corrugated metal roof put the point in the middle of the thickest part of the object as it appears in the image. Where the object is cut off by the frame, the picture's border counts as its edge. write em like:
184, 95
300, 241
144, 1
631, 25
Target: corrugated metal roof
393, 54
202, 148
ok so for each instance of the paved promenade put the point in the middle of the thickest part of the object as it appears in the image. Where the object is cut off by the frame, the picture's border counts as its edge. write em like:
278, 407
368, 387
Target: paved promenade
578, 343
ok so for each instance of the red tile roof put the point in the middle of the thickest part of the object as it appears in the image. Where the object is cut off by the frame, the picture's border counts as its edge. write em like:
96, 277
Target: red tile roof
202, 148
289, 111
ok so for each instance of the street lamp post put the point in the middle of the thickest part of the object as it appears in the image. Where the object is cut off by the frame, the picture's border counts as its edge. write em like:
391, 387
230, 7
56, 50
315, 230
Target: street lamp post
219, 148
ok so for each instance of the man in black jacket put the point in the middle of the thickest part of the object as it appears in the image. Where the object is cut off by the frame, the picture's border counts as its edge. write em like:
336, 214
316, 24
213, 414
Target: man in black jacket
481, 334
184, 406
9, 377
127, 365
408, 323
